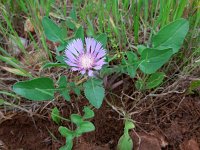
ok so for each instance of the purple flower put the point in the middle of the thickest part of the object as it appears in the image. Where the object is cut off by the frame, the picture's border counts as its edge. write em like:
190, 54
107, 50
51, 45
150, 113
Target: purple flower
85, 59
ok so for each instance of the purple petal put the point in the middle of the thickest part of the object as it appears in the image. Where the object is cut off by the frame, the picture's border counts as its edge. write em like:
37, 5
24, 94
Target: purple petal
88, 44
97, 48
99, 64
90, 73
93, 45
101, 54
74, 69
70, 56
78, 44
82, 72
72, 47
71, 63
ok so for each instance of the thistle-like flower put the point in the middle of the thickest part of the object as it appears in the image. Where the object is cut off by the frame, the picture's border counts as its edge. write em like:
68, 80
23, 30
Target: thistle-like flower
85, 59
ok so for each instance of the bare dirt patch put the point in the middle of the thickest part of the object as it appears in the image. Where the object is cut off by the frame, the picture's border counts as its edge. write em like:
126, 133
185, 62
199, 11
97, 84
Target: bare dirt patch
175, 118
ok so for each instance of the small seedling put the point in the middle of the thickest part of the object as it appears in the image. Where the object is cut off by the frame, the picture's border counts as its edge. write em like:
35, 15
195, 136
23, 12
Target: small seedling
82, 125
125, 142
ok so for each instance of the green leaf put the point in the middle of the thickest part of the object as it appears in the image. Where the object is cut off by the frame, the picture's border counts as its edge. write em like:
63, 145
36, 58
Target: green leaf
102, 38
64, 91
72, 14
129, 64
153, 59
88, 113
77, 119
155, 80
38, 89
90, 30
65, 132
139, 85
69, 135
65, 94
94, 92
141, 48
171, 36
50, 65
125, 143
84, 127
70, 23
55, 115
66, 147
194, 85
1, 101
62, 82
61, 47
75, 88
105, 71
53, 32
61, 59
80, 33
128, 125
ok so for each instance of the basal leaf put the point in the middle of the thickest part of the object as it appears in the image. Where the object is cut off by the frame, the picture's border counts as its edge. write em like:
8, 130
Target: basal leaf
38, 89
129, 64
153, 59
53, 32
155, 80
141, 48
171, 36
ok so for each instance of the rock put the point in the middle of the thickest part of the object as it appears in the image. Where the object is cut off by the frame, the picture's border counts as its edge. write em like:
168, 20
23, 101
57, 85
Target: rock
3, 146
189, 145
28, 26
151, 141
13, 45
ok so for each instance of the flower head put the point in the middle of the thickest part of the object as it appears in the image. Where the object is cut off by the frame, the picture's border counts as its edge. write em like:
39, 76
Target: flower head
85, 59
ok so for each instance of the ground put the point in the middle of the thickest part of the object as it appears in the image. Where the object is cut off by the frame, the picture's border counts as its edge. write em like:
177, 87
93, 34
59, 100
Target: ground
172, 123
